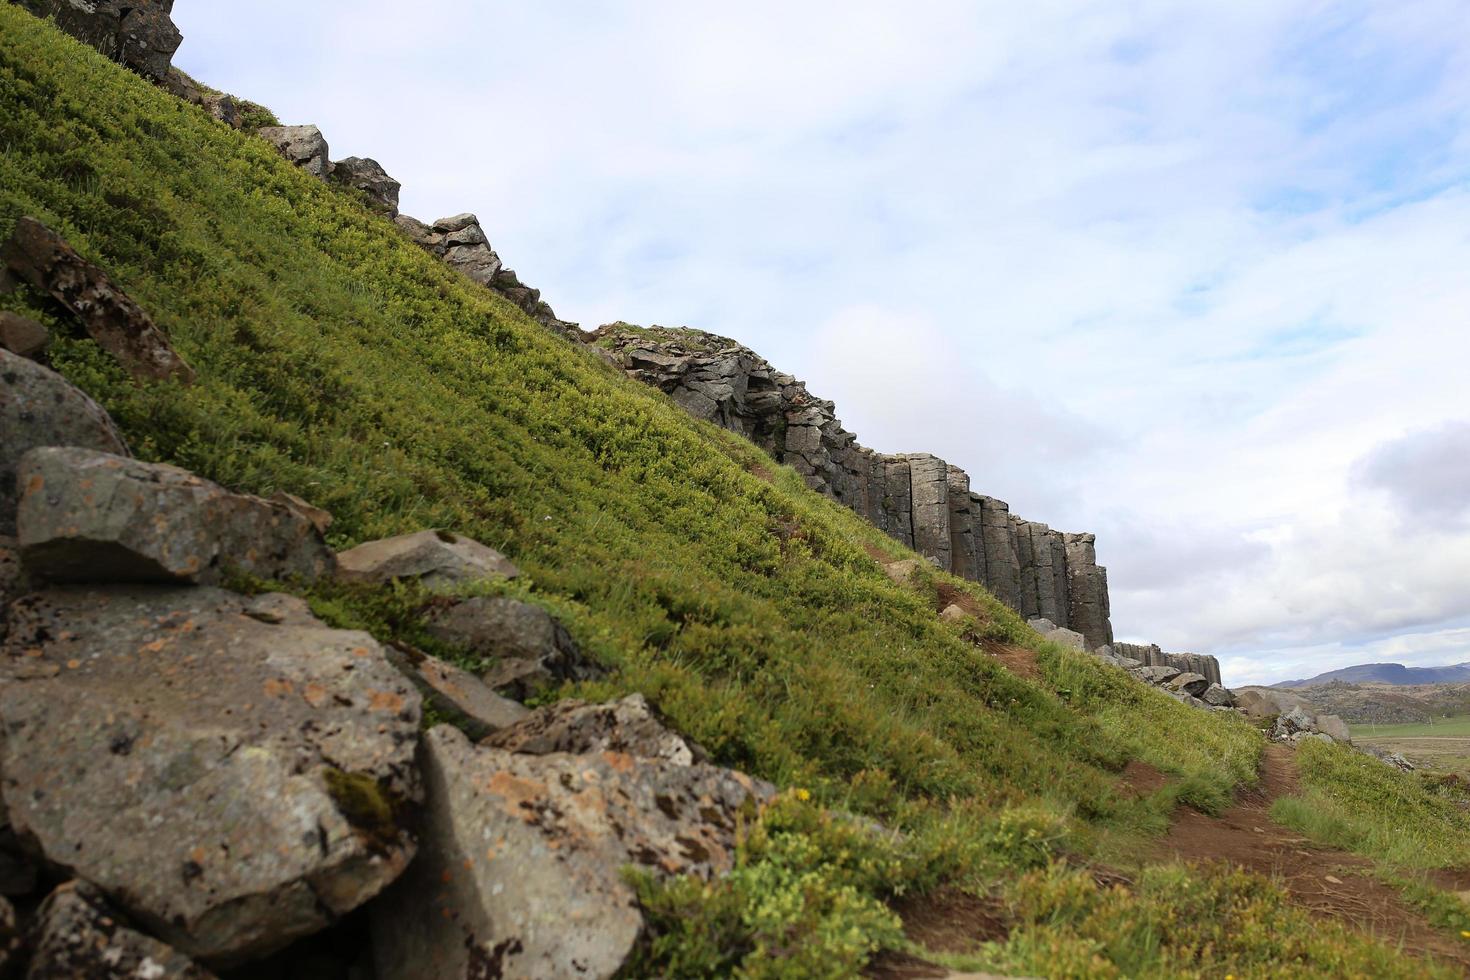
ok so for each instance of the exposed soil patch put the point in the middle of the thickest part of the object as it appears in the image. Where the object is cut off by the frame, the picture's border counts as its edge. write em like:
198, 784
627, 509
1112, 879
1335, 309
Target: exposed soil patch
762, 471
1326, 881
951, 596
1142, 779
1018, 660
951, 921
892, 965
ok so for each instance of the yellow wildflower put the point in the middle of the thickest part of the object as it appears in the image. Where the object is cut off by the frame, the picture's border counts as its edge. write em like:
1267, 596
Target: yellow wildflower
803, 795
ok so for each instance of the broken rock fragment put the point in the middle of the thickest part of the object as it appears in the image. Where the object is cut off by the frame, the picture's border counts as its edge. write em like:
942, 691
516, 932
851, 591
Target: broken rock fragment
39, 256
368, 176
77, 935
435, 558
87, 516
573, 726
520, 868
22, 335
531, 650
38, 407
457, 694
229, 770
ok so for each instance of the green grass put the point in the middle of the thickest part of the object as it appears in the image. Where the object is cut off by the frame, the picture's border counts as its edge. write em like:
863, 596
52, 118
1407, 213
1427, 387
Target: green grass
1353, 801
338, 362
1455, 727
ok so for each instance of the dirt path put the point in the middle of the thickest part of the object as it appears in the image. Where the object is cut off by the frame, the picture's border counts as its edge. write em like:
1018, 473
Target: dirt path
1326, 881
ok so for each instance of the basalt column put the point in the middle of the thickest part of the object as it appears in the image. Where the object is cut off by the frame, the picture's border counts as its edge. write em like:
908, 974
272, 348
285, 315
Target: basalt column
1087, 591
1042, 573
929, 486
961, 526
1002, 568
1026, 562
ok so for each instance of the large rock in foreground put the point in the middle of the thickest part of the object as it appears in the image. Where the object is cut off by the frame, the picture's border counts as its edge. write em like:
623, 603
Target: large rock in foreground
38, 407
87, 516
227, 769
136, 33
39, 256
519, 872
78, 936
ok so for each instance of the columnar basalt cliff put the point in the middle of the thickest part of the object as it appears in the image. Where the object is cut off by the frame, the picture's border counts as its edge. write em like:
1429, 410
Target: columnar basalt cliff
916, 498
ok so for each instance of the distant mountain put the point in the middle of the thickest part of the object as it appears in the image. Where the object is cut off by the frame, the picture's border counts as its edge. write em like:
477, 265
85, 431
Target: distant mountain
1388, 674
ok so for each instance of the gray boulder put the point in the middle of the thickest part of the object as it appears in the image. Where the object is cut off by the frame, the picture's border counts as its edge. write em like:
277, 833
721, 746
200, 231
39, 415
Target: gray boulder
954, 613
438, 559
530, 649
22, 335
39, 256
305, 146
1071, 639
228, 770
629, 726
78, 935
1188, 683
88, 516
520, 869
368, 176
1128, 663
136, 33
1334, 727
1267, 702
457, 695
1041, 625
1157, 675
38, 407
1217, 696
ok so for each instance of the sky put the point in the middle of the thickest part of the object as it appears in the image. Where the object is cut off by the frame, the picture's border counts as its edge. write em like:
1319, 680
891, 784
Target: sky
1194, 277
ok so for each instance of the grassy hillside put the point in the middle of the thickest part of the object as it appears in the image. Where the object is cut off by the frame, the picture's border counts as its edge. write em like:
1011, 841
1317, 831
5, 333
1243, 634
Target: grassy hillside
338, 362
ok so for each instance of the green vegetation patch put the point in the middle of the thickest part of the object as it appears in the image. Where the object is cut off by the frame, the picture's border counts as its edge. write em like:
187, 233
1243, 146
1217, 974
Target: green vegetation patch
1354, 801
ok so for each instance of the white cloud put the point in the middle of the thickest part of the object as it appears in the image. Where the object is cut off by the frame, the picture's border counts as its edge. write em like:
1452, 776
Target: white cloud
1163, 272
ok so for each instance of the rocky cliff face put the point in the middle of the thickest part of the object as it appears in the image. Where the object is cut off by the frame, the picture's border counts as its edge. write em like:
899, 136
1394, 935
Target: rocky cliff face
916, 498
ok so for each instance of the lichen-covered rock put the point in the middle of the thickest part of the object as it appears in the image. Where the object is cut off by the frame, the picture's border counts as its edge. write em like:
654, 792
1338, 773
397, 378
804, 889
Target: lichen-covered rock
136, 33
78, 936
227, 769
367, 175
903, 572
954, 613
88, 516
520, 867
576, 727
436, 558
532, 651
39, 256
12, 576
305, 146
38, 407
22, 335
457, 695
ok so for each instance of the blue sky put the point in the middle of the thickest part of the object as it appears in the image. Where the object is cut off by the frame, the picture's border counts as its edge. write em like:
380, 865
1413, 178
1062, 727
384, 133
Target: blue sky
1189, 276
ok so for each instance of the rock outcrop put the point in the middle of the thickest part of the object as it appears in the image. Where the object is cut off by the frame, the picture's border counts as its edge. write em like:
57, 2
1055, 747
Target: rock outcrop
88, 516
137, 33
40, 257
628, 726
462, 244
369, 177
226, 769
304, 146
38, 407
918, 499
520, 870
1151, 656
